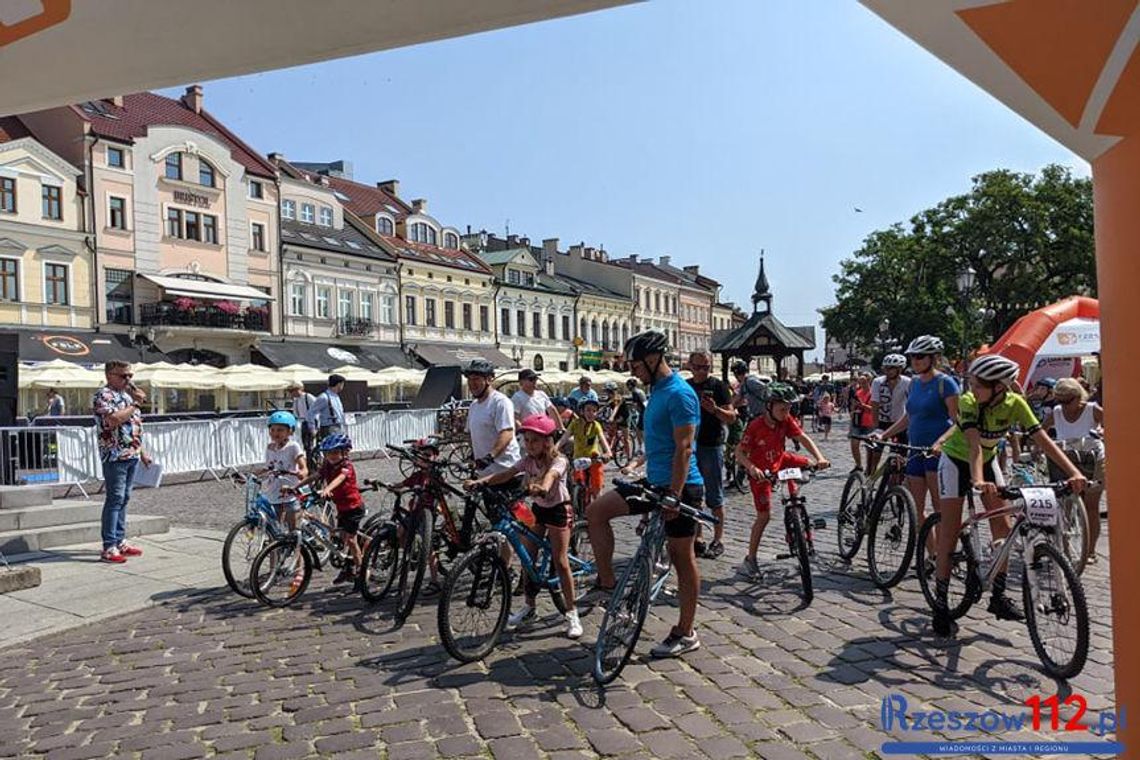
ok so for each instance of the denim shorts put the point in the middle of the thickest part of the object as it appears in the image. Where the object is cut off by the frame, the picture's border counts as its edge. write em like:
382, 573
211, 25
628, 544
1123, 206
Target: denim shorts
710, 461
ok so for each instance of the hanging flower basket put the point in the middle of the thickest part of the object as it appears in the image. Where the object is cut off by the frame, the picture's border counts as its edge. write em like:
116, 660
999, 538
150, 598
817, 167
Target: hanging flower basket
182, 303
228, 307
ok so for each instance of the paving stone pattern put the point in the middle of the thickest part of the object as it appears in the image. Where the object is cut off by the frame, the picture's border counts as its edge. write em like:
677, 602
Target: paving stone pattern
211, 675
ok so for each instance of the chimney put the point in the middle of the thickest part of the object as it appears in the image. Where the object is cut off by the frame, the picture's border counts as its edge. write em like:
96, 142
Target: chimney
419, 206
665, 260
116, 101
390, 186
524, 242
603, 256
694, 269
548, 265
324, 180
577, 251
277, 158
550, 247
512, 241
633, 258
193, 98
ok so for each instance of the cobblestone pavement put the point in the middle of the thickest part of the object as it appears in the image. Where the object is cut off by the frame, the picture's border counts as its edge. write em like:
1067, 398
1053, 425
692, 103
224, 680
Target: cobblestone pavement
211, 675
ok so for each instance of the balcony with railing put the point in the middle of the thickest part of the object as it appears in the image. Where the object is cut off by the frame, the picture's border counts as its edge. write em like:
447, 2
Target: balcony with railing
351, 327
226, 315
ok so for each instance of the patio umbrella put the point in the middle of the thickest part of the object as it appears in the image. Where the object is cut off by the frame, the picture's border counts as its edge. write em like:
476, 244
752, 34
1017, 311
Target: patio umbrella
252, 378
60, 374
177, 376
299, 373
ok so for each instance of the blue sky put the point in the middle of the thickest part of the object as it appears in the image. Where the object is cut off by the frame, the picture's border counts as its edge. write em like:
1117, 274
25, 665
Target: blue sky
702, 130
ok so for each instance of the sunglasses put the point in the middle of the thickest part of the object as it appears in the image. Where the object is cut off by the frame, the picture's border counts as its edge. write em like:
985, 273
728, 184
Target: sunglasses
700, 366
126, 375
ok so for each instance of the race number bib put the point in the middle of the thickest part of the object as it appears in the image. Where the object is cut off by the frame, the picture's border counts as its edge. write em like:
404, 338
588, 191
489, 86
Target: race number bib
1041, 504
791, 473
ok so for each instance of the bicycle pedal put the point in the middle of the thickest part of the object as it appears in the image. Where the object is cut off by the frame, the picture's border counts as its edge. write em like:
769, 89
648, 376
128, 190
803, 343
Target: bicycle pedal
819, 523
783, 556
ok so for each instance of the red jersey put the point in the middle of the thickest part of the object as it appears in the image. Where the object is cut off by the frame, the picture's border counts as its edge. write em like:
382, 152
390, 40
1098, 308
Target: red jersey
765, 444
864, 417
346, 496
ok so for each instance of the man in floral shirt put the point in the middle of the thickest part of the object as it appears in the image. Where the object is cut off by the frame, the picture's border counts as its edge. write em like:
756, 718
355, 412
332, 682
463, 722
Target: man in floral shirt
119, 420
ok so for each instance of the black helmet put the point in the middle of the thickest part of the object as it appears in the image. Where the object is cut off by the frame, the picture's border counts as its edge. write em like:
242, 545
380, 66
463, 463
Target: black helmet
739, 366
479, 367
645, 343
781, 392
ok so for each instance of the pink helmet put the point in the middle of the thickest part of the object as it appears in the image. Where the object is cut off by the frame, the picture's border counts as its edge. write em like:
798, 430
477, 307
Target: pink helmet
539, 423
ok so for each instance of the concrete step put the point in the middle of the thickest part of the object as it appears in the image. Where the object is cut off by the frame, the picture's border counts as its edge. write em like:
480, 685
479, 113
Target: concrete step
87, 532
16, 497
61, 512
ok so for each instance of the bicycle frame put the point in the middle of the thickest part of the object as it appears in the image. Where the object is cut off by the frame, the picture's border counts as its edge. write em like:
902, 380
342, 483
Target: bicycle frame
514, 532
1021, 527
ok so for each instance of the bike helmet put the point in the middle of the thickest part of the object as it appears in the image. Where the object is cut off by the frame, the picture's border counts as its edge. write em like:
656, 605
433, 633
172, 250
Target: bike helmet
584, 402
561, 402
895, 361
282, 417
479, 367
336, 442
645, 343
539, 423
739, 367
781, 392
1046, 382
610, 387
995, 368
924, 345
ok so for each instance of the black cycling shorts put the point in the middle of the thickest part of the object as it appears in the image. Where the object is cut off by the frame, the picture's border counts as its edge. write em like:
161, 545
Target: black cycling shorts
681, 526
558, 516
350, 521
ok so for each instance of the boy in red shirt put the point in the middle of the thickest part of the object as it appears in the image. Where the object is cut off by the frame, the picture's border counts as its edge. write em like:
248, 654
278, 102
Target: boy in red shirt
761, 450
339, 477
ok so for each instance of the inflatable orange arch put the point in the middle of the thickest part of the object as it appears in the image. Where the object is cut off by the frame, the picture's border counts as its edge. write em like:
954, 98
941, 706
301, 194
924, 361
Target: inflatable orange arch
1045, 328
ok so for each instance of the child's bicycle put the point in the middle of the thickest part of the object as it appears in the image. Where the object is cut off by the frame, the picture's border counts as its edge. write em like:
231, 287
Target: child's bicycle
579, 477
797, 524
640, 583
398, 552
248, 536
476, 596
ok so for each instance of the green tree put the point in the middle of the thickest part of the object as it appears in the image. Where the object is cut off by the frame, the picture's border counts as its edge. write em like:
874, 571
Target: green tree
1028, 239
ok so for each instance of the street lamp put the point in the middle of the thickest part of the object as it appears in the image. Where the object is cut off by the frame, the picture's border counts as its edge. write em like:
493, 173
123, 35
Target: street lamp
965, 281
142, 340
884, 333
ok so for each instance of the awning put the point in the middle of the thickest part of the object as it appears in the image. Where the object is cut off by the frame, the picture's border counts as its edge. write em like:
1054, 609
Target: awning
180, 286
88, 348
443, 355
325, 357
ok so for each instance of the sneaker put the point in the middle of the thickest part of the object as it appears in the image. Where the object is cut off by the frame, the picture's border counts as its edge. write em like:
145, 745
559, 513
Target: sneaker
1004, 608
699, 548
716, 548
127, 550
112, 555
676, 645
749, 568
520, 617
942, 623
345, 575
573, 625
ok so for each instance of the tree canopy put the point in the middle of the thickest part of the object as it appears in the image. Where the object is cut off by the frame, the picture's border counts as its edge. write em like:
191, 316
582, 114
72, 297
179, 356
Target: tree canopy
1028, 238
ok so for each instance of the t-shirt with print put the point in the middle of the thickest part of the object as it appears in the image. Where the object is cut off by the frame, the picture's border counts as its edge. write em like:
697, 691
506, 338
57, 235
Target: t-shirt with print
558, 493
712, 430
346, 496
672, 404
992, 423
124, 442
283, 459
485, 420
587, 437
528, 405
764, 443
927, 415
891, 401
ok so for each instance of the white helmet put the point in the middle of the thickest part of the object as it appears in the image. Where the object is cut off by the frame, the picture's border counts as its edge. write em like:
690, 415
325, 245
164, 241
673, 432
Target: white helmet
995, 368
924, 345
896, 361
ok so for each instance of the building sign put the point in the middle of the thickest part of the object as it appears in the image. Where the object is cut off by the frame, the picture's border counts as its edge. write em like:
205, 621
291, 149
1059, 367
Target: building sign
590, 358
66, 345
191, 199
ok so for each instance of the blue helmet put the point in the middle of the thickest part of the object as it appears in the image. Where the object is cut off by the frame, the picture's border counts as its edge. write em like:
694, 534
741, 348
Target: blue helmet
282, 417
336, 441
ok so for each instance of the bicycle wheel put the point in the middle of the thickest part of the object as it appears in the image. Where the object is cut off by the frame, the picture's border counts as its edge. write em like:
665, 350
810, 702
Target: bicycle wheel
965, 588
1055, 612
891, 530
281, 572
1075, 532
800, 551
620, 452
379, 565
624, 618
242, 545
849, 521
474, 604
413, 564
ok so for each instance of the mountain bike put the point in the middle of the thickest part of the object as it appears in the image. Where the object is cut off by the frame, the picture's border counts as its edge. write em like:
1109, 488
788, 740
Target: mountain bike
883, 509
798, 524
1032, 469
476, 596
1052, 592
399, 551
640, 583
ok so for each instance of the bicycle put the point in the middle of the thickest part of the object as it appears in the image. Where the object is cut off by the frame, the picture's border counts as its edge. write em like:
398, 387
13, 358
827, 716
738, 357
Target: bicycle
1037, 515
478, 589
399, 551
798, 524
640, 583
579, 475
1031, 470
618, 434
248, 537
881, 508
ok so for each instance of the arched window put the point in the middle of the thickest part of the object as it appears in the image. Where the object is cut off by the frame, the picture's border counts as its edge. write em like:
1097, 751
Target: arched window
582, 329
451, 240
594, 333
422, 232
205, 173
384, 225
606, 336
624, 333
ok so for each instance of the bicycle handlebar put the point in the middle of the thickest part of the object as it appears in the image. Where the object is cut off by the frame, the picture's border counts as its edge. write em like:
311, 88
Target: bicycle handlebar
872, 442
1061, 488
659, 498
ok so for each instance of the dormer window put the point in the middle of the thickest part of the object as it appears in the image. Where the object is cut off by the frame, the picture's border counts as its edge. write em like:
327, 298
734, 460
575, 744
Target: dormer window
174, 165
307, 211
422, 232
205, 173
384, 225
326, 216
451, 240
529, 278
289, 209
513, 276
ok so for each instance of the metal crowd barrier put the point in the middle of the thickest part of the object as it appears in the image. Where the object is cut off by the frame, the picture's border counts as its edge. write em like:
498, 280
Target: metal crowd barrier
70, 455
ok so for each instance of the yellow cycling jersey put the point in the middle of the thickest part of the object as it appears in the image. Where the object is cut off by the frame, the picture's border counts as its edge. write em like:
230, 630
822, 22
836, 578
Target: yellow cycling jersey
992, 421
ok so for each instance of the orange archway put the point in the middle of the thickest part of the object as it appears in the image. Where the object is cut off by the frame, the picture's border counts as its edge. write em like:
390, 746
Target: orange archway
1065, 330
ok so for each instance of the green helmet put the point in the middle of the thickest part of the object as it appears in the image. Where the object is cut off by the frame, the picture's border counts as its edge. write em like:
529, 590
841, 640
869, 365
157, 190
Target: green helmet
781, 392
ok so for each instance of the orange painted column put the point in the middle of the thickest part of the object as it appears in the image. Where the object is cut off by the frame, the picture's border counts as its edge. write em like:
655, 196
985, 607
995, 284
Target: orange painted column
1116, 192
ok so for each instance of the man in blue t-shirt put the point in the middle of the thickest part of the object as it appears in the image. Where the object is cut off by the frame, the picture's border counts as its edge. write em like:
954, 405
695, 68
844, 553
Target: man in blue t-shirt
672, 416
